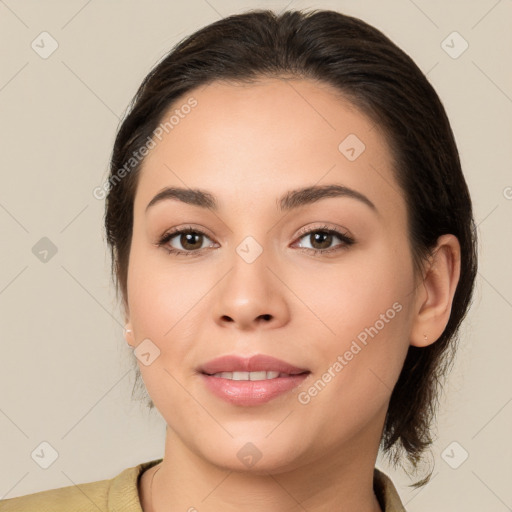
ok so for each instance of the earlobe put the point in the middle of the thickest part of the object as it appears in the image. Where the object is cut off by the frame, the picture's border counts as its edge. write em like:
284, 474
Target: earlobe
128, 334
439, 284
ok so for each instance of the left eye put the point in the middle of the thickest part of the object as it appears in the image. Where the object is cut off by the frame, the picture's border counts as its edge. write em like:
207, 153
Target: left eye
323, 238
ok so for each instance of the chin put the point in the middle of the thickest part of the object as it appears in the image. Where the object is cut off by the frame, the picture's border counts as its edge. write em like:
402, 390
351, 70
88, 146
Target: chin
258, 454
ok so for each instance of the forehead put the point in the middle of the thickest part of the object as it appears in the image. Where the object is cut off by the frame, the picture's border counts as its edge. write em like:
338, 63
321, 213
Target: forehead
257, 140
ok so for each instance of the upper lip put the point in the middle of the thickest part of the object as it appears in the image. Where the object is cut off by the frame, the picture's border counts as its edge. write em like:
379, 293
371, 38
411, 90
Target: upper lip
256, 363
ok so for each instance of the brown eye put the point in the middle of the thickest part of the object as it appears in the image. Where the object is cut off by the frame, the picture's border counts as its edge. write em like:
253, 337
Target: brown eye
321, 240
187, 241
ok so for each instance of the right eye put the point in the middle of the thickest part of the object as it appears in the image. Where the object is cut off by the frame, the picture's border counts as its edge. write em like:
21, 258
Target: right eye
191, 239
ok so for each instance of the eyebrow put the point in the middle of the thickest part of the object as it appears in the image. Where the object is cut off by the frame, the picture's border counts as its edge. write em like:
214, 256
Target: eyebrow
292, 200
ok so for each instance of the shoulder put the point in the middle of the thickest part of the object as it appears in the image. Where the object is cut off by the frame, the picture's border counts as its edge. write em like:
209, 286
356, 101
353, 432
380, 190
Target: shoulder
117, 494
386, 492
82, 498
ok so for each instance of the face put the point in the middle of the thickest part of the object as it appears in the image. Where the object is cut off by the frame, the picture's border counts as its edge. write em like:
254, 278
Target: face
322, 281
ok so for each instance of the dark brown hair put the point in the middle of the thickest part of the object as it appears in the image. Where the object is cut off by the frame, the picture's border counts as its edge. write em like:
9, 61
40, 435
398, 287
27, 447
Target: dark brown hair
383, 82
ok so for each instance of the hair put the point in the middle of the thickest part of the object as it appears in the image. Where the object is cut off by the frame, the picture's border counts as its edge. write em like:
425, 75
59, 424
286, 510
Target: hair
382, 81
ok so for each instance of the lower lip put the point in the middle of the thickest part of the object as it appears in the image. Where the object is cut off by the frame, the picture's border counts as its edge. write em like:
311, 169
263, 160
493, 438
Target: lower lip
251, 392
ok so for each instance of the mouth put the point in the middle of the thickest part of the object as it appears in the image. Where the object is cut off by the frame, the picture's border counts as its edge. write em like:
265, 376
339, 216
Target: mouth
250, 381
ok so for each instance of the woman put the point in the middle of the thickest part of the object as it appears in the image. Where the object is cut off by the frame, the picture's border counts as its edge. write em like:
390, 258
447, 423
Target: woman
293, 242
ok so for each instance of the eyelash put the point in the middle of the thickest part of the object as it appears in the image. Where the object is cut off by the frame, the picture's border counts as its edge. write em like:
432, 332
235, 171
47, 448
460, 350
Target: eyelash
345, 239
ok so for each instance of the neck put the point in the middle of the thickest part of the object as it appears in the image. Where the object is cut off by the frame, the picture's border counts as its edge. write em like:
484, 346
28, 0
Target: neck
340, 481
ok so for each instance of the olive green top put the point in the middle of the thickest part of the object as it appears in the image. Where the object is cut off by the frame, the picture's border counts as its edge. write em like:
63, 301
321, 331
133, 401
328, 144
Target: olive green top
120, 494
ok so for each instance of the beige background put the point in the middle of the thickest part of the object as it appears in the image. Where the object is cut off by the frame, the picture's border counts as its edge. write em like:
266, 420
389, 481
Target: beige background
65, 376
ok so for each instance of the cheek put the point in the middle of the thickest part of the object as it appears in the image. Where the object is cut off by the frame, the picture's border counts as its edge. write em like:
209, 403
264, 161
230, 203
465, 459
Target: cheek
368, 307
159, 293
165, 307
348, 297
365, 316
168, 305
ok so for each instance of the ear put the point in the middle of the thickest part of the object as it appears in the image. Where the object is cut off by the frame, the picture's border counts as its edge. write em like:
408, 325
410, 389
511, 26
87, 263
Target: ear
435, 293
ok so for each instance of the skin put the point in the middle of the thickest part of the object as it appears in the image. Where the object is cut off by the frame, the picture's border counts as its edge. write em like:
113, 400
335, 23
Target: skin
248, 145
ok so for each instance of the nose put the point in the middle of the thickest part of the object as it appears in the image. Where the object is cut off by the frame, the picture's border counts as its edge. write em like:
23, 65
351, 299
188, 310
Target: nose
251, 296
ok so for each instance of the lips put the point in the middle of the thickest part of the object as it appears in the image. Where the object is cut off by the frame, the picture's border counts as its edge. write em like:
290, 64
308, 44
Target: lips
250, 381
256, 363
